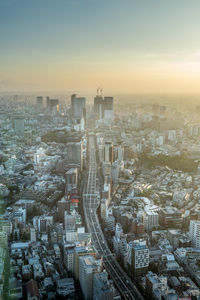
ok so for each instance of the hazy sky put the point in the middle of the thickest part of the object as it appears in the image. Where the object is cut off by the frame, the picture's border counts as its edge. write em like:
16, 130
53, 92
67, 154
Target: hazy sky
121, 45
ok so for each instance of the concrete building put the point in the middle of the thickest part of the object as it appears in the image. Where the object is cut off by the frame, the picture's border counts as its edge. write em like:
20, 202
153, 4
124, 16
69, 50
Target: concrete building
78, 106
153, 282
71, 178
150, 220
39, 103
53, 105
138, 257
33, 237
68, 253
88, 266
101, 287
170, 217
195, 233
108, 152
19, 125
99, 107
62, 206
70, 222
75, 153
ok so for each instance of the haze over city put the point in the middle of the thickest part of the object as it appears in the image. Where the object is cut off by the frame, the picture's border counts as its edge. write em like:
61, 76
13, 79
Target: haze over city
124, 46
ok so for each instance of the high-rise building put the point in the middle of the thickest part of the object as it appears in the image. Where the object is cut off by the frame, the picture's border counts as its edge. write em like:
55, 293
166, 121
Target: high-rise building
33, 234
78, 106
195, 233
120, 153
47, 102
44, 222
101, 287
103, 107
153, 282
79, 252
39, 102
138, 257
108, 152
108, 103
70, 222
75, 153
71, 178
52, 105
170, 217
150, 220
99, 107
69, 256
88, 266
19, 125
62, 206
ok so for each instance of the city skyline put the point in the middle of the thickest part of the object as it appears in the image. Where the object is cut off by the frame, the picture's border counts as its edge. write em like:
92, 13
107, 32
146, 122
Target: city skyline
132, 47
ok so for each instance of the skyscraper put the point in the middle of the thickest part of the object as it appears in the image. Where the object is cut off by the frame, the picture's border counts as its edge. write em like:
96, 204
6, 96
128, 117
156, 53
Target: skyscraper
88, 266
195, 233
108, 103
103, 107
70, 222
78, 106
101, 287
99, 107
75, 153
108, 152
39, 102
19, 125
138, 257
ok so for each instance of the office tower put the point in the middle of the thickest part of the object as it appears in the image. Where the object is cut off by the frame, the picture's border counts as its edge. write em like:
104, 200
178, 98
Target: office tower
153, 282
108, 103
138, 257
79, 252
88, 266
150, 220
103, 208
170, 217
20, 214
108, 110
39, 102
62, 206
108, 152
120, 153
70, 222
103, 107
42, 225
33, 234
68, 253
99, 107
44, 222
78, 106
54, 105
19, 125
101, 287
119, 241
47, 102
195, 233
115, 171
75, 153
71, 179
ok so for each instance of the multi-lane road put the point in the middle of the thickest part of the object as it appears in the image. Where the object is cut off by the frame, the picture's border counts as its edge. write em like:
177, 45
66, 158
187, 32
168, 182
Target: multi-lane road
90, 204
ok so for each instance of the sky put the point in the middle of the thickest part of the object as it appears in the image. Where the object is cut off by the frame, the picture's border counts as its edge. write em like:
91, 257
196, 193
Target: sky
122, 46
